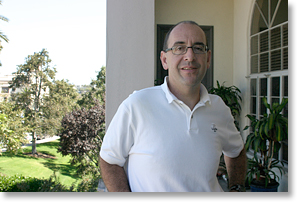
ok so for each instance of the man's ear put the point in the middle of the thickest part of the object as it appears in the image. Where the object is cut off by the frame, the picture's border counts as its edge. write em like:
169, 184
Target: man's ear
163, 59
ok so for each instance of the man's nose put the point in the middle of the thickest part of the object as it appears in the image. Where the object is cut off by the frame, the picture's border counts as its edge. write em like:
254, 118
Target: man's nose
189, 55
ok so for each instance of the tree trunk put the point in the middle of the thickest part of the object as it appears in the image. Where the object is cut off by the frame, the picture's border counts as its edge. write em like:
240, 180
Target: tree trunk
34, 143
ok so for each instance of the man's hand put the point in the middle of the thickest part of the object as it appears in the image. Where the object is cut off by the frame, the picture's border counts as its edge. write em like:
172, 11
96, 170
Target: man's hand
236, 168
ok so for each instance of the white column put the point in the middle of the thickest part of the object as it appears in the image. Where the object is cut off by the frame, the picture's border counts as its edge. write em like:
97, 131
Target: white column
130, 50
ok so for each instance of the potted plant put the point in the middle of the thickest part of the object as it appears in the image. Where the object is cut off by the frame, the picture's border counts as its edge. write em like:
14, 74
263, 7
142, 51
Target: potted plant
265, 139
231, 97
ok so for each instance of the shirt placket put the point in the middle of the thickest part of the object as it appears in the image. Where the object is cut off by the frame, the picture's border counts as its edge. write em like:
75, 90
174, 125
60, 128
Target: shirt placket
192, 124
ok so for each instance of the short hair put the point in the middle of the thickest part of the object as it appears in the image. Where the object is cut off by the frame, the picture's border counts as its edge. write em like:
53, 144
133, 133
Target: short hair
165, 44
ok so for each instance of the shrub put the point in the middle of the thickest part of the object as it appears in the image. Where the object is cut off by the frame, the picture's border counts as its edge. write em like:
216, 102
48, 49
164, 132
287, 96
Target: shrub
19, 183
81, 137
88, 184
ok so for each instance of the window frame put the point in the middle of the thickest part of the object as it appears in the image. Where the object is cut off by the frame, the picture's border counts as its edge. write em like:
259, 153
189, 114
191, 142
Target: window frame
258, 74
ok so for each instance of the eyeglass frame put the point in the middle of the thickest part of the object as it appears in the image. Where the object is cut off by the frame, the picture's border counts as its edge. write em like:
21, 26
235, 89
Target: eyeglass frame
205, 46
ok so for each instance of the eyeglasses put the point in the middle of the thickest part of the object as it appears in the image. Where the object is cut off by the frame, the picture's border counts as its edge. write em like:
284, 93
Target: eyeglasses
182, 49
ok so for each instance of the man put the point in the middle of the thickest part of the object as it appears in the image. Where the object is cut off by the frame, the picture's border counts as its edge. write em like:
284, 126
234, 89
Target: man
170, 138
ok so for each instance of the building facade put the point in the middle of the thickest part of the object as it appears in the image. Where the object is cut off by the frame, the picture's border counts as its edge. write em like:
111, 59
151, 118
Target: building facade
248, 40
5, 91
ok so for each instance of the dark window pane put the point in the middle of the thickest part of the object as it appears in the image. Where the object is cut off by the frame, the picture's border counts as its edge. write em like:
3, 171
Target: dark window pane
285, 86
273, 5
275, 86
258, 23
253, 105
262, 107
253, 87
263, 4
285, 111
263, 86
282, 13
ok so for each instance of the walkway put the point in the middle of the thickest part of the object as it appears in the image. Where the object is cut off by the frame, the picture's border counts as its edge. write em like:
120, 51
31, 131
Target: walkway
38, 142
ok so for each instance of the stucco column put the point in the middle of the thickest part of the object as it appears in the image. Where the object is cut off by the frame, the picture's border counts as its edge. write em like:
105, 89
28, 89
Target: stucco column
130, 50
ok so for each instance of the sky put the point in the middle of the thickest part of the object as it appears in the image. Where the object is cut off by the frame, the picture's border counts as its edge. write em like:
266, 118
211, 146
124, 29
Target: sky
72, 31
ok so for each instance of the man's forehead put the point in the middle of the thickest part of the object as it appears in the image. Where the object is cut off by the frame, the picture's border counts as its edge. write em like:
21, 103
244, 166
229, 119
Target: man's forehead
184, 32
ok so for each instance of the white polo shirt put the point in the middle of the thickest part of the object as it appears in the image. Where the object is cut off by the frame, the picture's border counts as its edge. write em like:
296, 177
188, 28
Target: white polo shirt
166, 147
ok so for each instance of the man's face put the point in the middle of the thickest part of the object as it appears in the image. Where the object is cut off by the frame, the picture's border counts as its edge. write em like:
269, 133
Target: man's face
188, 69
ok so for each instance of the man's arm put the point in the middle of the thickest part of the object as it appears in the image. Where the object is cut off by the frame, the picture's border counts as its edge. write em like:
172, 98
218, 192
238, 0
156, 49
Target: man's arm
236, 168
114, 177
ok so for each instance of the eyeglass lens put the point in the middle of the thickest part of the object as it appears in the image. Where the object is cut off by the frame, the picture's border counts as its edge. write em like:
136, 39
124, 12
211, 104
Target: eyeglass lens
182, 49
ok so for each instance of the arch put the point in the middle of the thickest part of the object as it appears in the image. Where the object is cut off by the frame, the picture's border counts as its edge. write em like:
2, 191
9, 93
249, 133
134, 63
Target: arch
268, 69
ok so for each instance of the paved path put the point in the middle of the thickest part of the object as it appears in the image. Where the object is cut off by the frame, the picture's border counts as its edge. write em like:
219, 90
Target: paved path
38, 142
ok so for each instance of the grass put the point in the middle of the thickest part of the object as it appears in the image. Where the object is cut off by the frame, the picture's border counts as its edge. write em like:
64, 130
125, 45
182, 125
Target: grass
40, 167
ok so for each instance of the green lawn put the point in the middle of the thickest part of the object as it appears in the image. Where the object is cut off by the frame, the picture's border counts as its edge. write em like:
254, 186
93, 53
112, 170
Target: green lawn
40, 167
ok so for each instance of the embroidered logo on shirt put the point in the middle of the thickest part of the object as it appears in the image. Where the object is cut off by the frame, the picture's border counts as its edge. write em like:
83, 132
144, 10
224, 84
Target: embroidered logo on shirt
213, 127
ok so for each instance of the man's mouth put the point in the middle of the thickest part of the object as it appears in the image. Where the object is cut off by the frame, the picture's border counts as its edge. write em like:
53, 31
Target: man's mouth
188, 68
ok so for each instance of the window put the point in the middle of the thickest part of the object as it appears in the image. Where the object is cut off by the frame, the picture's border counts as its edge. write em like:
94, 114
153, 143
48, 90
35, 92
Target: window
5, 90
269, 58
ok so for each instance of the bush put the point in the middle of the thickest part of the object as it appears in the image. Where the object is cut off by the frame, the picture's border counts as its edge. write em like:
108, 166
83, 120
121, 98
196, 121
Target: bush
81, 137
88, 184
19, 183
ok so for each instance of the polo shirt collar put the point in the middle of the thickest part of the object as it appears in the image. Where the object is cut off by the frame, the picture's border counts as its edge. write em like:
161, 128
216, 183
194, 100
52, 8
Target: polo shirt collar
204, 95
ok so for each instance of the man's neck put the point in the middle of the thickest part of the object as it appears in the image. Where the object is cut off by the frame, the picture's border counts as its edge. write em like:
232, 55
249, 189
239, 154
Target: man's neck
189, 95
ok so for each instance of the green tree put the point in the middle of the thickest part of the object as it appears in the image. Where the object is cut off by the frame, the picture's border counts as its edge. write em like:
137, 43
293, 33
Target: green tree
61, 100
97, 92
12, 127
33, 79
83, 129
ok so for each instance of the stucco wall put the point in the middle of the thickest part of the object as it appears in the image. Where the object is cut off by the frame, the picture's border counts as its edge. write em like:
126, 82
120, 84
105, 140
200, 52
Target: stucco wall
130, 50
212, 12
242, 18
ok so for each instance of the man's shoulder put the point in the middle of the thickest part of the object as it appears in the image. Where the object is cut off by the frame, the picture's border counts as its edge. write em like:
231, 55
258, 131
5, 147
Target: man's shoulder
215, 98
216, 101
218, 105
145, 95
148, 90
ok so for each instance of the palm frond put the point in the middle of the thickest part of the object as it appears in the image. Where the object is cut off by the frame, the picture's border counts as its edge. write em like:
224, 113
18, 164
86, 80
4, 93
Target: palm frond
4, 18
2, 36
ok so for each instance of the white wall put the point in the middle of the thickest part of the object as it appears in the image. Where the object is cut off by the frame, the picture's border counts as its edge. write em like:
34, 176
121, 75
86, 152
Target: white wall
130, 50
242, 18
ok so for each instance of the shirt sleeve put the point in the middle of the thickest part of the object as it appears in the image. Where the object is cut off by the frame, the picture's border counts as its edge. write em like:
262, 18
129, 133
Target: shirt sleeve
118, 139
234, 144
